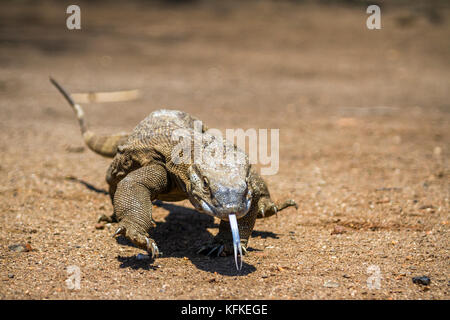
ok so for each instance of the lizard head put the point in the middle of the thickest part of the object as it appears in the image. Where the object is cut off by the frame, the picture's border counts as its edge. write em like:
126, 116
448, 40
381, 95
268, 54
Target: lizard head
220, 188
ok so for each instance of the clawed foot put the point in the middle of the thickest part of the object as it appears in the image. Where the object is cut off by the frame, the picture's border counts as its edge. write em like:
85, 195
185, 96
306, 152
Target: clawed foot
267, 208
218, 249
139, 239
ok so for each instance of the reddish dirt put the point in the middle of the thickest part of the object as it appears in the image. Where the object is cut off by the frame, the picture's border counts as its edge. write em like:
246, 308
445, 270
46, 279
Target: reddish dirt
364, 147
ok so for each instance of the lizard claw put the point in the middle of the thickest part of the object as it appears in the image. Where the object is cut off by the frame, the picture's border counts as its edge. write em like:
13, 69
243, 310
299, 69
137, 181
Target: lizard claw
139, 239
201, 249
220, 249
209, 250
290, 203
267, 208
261, 211
152, 248
119, 231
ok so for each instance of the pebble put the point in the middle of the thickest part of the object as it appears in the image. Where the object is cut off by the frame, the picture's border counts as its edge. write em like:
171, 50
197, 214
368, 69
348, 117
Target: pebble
20, 247
10, 275
75, 149
338, 230
437, 151
163, 288
141, 256
423, 280
330, 284
99, 226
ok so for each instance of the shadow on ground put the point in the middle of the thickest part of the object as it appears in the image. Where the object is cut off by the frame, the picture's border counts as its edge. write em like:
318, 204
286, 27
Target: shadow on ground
181, 234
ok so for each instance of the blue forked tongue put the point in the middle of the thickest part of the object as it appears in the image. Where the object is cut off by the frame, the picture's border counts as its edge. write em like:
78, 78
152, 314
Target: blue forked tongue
236, 240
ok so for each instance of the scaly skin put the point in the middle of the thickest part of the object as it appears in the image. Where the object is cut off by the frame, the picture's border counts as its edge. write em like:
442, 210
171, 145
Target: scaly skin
144, 169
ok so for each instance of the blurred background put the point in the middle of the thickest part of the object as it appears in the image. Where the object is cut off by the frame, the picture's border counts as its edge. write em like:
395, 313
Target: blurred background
290, 56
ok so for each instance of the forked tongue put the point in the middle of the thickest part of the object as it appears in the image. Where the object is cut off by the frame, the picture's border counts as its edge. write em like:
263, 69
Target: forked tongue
236, 240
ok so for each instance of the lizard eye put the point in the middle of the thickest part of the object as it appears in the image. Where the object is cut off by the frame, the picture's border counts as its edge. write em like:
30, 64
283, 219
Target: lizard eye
205, 183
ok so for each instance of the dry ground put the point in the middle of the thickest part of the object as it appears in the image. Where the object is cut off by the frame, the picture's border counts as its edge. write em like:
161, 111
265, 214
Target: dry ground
364, 147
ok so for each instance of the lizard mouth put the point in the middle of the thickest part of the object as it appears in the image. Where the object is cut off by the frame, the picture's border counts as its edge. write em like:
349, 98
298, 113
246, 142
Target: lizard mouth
205, 207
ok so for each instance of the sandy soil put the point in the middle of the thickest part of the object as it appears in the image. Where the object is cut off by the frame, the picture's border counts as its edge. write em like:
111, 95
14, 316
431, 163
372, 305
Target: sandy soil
364, 147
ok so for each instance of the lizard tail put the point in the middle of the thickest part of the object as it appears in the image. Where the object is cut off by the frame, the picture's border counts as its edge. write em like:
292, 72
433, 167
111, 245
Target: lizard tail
105, 145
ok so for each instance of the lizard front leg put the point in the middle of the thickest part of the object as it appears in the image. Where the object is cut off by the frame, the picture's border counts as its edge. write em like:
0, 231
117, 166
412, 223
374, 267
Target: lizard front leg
265, 206
133, 204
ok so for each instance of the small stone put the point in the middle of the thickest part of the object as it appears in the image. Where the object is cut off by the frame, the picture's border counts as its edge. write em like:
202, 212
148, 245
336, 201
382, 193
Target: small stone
163, 288
330, 284
423, 280
75, 149
141, 256
10, 275
99, 226
338, 230
16, 247
20, 247
437, 151
384, 200
400, 276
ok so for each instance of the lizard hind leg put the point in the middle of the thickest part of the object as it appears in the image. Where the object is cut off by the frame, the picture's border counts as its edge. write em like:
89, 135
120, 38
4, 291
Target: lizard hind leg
112, 190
